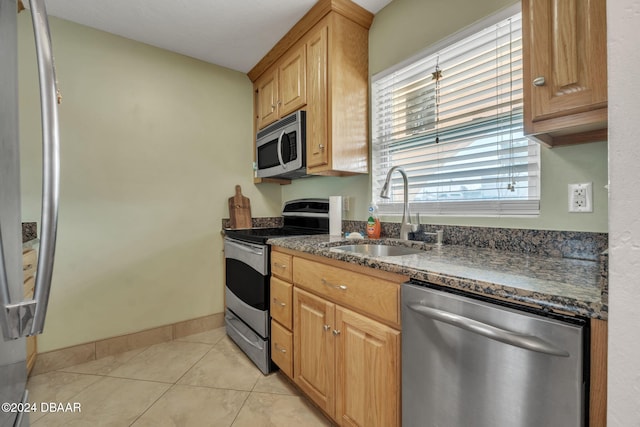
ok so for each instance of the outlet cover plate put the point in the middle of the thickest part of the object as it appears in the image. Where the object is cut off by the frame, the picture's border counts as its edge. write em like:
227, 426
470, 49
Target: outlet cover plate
581, 197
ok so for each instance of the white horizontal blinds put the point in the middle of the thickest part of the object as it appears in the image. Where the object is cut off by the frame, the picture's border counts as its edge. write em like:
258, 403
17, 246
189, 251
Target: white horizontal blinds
453, 121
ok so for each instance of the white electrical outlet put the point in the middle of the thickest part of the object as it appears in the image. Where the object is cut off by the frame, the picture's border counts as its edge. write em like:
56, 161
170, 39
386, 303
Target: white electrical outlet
581, 197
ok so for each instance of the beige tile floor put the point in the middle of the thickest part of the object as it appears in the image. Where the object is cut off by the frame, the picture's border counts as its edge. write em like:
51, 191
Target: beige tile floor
200, 380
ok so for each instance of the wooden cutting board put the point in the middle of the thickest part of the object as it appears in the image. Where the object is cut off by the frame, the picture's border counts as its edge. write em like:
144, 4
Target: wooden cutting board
239, 210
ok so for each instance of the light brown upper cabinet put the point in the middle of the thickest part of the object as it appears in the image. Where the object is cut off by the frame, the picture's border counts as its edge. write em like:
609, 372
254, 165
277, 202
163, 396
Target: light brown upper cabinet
321, 66
565, 70
283, 90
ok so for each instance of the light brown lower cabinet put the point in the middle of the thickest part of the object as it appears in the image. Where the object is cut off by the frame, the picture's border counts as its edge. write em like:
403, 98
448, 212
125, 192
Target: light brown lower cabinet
367, 371
282, 348
346, 363
336, 334
29, 262
598, 386
314, 348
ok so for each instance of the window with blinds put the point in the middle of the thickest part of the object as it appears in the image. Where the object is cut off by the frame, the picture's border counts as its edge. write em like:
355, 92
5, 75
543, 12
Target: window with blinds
452, 119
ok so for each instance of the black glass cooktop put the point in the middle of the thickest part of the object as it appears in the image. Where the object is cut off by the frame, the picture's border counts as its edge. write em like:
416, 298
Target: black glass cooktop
301, 217
261, 235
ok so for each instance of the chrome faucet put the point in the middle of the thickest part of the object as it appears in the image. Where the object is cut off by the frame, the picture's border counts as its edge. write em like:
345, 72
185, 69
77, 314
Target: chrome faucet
405, 227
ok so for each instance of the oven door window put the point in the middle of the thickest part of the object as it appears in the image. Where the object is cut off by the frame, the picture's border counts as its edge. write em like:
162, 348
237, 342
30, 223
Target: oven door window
247, 284
268, 152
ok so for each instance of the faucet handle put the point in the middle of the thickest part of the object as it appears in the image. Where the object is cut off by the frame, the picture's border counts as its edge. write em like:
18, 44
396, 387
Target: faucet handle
417, 226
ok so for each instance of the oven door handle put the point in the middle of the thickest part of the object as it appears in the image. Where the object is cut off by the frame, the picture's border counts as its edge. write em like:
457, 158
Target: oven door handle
284, 166
247, 247
240, 334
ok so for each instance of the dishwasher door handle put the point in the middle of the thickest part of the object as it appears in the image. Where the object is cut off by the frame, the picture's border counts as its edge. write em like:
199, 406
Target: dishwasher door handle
527, 342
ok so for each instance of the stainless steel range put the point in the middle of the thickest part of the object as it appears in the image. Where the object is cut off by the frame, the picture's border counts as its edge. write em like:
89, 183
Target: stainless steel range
247, 260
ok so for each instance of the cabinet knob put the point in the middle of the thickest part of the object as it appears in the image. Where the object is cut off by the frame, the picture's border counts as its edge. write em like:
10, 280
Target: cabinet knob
281, 304
280, 349
539, 81
336, 332
321, 146
273, 107
327, 327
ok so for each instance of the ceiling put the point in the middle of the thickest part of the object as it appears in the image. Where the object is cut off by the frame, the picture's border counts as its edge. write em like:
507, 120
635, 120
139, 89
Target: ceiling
232, 33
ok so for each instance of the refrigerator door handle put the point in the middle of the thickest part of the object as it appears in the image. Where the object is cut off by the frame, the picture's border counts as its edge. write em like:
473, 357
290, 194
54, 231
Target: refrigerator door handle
51, 162
527, 342
27, 317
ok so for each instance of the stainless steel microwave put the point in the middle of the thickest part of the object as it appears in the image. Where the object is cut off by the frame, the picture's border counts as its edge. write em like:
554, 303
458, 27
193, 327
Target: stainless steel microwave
281, 148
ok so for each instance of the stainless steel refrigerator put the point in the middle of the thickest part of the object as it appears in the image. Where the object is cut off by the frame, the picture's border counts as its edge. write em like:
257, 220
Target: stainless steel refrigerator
20, 318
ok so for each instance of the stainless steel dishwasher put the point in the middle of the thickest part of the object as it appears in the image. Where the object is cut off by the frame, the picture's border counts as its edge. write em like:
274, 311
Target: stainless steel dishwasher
473, 363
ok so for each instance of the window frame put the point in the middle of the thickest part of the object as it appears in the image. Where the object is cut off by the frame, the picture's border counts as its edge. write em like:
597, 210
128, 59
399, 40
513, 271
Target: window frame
489, 207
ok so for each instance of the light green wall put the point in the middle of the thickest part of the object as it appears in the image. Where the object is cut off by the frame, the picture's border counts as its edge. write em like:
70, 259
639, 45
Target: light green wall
403, 29
153, 144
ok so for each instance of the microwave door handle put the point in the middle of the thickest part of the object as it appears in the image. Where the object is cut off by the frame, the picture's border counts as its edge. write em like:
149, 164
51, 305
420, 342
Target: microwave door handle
284, 166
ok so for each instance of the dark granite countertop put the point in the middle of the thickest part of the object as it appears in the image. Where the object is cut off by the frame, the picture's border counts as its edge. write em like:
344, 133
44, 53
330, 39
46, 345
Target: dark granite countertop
552, 283
29, 231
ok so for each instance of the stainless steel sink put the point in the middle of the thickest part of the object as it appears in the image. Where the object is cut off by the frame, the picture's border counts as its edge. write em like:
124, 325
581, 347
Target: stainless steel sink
378, 250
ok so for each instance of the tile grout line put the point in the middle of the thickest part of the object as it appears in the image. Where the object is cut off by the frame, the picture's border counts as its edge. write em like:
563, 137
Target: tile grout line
245, 401
151, 405
174, 384
241, 406
198, 361
98, 377
79, 391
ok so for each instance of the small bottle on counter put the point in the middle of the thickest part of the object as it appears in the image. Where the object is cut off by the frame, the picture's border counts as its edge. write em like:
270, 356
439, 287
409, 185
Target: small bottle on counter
373, 222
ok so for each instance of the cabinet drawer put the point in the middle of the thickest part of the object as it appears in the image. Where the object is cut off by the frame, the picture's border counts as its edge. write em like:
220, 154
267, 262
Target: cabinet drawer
281, 302
281, 265
32, 350
29, 263
28, 287
370, 295
282, 348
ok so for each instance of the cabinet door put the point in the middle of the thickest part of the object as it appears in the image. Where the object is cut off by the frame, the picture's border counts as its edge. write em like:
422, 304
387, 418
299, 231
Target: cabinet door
367, 372
293, 82
267, 88
565, 60
314, 348
317, 108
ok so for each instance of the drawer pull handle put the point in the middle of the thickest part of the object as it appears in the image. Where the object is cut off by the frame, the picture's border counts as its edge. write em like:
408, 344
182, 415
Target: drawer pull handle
341, 287
327, 327
280, 349
283, 266
281, 304
336, 332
